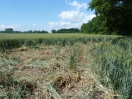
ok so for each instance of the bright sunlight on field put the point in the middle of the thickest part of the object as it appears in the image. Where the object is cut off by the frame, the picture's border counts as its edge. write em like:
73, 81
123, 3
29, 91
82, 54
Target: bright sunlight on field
31, 36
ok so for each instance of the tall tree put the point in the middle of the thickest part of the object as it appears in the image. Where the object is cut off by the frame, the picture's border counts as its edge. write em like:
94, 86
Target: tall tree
118, 14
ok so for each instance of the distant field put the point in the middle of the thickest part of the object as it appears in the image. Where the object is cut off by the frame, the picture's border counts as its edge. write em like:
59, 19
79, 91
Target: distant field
31, 36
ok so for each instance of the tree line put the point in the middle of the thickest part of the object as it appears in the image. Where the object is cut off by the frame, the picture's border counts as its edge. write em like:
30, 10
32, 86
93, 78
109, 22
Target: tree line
10, 30
71, 30
112, 17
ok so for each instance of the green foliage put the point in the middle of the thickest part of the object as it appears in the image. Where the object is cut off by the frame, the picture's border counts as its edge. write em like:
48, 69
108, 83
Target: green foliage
115, 65
8, 30
35, 31
96, 26
87, 28
10, 87
73, 61
71, 30
16, 43
118, 14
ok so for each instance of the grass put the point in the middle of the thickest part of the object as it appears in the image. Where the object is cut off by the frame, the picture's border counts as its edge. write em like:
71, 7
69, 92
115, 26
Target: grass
50, 36
115, 65
63, 68
71, 66
15, 43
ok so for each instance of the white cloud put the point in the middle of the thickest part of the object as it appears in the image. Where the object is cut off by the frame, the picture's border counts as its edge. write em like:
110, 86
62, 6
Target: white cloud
61, 24
73, 23
53, 24
88, 18
78, 5
72, 16
34, 24
72, 19
75, 16
14, 26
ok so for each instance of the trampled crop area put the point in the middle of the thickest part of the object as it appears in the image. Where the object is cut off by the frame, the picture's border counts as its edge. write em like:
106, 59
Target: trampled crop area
92, 67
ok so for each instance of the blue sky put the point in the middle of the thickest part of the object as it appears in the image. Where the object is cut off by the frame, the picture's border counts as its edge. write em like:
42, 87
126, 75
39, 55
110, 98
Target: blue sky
46, 15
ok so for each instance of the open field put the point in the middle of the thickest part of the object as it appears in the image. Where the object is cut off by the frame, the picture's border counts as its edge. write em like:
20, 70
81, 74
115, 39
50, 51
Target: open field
69, 68
34, 36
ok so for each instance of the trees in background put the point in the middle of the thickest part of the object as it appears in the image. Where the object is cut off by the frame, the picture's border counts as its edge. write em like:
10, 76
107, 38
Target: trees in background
10, 30
116, 16
2, 31
71, 30
36, 31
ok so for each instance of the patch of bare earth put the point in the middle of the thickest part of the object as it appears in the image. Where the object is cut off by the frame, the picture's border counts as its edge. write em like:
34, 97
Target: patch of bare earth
46, 72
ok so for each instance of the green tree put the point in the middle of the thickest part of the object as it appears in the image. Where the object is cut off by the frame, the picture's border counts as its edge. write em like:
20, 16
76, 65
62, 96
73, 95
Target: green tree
8, 30
117, 13
53, 31
95, 26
